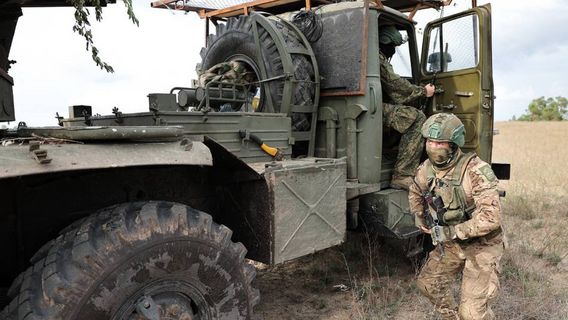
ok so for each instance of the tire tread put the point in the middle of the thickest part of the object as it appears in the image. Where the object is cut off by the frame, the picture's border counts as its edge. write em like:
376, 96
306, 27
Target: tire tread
66, 267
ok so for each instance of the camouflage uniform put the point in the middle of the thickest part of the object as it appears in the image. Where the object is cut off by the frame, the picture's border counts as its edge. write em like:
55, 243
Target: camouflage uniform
477, 248
398, 92
230, 72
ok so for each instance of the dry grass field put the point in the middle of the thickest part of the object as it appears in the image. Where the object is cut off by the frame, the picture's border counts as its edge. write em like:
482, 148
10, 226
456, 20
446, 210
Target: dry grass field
367, 279
535, 268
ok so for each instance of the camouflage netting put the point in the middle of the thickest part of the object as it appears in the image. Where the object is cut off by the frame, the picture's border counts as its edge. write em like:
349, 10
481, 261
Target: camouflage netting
228, 72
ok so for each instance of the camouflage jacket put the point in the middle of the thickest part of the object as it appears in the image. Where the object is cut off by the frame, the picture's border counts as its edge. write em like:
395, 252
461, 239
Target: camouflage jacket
480, 186
399, 91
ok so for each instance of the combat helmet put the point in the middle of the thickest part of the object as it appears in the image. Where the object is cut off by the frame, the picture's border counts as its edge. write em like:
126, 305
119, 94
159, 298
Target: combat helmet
444, 127
388, 34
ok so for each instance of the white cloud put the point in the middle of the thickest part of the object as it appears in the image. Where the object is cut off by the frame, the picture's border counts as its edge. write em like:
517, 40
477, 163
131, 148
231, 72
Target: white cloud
530, 47
54, 71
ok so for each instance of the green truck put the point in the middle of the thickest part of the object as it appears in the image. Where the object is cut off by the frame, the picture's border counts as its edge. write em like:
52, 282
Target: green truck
156, 214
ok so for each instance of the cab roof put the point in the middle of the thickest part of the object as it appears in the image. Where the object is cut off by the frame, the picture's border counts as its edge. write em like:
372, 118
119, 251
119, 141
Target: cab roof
231, 8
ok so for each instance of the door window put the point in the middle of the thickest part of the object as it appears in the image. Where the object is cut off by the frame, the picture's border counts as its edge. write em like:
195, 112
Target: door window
400, 61
458, 40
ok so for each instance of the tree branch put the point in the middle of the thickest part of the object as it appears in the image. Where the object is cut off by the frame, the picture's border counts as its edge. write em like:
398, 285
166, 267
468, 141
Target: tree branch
83, 26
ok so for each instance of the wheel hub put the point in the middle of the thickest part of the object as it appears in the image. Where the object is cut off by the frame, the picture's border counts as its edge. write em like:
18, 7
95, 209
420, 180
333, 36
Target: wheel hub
165, 300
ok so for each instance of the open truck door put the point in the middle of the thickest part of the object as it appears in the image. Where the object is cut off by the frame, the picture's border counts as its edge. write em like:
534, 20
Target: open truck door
456, 56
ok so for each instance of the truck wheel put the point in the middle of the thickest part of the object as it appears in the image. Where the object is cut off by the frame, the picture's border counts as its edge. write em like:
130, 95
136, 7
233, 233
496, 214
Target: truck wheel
142, 260
234, 41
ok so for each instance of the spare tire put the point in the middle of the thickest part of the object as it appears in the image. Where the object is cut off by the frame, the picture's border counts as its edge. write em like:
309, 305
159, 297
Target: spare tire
235, 41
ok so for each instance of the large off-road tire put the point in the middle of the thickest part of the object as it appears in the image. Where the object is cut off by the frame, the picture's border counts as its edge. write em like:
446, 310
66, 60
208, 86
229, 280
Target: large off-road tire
235, 41
138, 258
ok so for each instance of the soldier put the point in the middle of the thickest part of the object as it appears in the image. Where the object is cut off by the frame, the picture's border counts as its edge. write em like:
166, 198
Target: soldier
399, 92
457, 193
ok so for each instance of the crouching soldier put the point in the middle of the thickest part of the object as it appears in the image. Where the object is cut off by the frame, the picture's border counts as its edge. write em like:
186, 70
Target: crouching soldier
455, 199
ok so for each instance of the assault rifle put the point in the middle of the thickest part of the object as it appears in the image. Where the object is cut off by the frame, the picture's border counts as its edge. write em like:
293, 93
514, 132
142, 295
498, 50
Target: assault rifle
433, 202
433, 218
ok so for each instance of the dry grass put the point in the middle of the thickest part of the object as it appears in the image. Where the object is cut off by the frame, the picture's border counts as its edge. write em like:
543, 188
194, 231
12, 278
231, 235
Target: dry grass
366, 280
534, 277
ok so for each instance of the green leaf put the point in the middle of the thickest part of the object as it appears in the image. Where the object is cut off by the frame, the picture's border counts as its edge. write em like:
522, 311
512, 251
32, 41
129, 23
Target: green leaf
83, 26
546, 109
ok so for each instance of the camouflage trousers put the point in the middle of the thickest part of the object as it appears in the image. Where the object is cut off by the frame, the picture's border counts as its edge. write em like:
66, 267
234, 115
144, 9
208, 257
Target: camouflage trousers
479, 266
407, 121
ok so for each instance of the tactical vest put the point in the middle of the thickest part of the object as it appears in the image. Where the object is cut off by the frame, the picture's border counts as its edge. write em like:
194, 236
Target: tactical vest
451, 190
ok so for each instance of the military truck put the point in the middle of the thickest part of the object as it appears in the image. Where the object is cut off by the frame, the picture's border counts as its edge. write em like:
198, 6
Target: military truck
154, 215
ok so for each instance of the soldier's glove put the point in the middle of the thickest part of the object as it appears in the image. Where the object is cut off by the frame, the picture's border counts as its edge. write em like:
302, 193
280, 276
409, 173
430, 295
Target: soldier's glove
442, 234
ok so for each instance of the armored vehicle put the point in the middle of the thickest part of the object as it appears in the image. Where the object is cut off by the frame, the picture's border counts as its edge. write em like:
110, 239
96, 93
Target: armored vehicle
154, 215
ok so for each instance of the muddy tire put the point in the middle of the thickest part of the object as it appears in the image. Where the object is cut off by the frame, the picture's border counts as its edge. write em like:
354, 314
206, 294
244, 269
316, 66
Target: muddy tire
235, 41
137, 261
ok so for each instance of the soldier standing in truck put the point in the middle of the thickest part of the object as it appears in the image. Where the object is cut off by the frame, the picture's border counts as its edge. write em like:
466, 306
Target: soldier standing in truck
457, 193
398, 93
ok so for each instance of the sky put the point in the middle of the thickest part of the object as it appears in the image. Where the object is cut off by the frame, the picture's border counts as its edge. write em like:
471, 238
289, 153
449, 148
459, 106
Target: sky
53, 70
